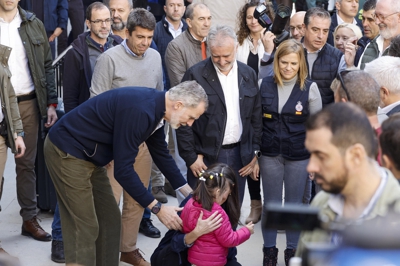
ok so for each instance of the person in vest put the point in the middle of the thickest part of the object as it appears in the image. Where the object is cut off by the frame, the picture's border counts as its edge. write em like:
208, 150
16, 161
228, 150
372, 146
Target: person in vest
287, 98
323, 60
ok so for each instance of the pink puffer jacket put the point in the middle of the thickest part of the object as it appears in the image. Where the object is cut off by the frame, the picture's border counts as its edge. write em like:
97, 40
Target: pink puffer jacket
211, 249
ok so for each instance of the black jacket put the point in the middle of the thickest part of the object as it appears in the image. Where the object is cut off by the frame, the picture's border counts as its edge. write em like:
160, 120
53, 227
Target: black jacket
78, 72
334, 24
324, 71
162, 37
206, 134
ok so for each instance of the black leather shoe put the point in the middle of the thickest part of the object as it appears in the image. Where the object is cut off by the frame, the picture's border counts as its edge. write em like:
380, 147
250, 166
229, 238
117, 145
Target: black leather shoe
148, 229
57, 251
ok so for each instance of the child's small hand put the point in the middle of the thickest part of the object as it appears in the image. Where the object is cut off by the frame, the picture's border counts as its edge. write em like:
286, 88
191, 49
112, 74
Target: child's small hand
250, 226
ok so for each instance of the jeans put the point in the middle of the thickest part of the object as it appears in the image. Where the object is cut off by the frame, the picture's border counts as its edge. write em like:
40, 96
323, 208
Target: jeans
56, 232
90, 217
230, 157
274, 172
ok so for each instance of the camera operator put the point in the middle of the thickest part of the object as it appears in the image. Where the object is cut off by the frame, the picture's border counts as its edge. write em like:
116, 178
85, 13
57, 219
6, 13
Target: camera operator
324, 61
343, 148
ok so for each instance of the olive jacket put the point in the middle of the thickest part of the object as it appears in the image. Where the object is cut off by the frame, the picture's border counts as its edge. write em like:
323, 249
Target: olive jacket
34, 38
9, 105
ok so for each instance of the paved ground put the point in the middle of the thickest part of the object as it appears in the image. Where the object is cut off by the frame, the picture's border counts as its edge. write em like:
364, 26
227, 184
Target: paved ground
35, 253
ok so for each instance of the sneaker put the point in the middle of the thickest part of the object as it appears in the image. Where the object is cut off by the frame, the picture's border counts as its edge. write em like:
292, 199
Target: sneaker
159, 194
148, 229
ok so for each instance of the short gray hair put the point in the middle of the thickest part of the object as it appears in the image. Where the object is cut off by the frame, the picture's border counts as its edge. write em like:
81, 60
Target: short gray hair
363, 90
218, 34
190, 93
107, 3
394, 5
190, 9
385, 71
316, 12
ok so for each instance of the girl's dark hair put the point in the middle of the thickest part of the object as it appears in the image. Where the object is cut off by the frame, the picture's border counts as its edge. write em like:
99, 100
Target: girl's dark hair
218, 176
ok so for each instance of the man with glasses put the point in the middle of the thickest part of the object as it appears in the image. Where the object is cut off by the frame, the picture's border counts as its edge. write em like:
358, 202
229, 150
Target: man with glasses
387, 17
296, 25
133, 63
78, 68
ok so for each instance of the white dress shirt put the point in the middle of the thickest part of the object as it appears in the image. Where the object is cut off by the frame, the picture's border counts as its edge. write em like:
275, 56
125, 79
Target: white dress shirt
230, 87
18, 62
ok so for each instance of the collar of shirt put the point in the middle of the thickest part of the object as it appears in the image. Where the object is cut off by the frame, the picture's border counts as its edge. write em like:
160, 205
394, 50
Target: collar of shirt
204, 39
388, 108
340, 20
231, 72
98, 45
336, 202
172, 29
129, 51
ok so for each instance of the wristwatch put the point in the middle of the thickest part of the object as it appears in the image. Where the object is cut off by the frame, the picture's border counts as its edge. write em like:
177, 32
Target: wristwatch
156, 208
21, 134
257, 153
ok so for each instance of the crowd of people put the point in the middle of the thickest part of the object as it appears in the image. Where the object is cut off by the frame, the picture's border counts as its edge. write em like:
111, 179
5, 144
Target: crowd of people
200, 102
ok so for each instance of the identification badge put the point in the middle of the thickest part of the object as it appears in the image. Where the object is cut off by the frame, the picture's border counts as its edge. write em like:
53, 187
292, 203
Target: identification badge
299, 108
267, 115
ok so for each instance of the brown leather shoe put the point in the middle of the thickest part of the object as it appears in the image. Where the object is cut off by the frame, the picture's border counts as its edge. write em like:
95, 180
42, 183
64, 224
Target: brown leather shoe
134, 258
33, 229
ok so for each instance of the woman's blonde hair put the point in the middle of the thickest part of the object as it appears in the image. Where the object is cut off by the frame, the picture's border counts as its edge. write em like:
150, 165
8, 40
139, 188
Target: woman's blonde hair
354, 28
288, 47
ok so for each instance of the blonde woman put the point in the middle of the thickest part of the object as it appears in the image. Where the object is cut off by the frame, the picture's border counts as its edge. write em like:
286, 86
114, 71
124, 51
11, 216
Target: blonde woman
347, 38
288, 98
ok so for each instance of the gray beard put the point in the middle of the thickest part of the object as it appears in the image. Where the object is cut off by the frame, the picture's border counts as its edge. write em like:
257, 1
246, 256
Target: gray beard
118, 26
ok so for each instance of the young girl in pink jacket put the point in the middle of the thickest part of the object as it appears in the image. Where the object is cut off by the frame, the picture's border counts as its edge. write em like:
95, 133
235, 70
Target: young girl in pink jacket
215, 187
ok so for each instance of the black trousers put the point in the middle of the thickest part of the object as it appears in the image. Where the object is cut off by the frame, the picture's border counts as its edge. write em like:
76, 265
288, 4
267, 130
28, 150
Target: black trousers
166, 257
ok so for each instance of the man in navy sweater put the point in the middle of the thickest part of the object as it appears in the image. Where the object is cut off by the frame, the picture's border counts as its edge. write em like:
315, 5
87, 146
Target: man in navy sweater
84, 140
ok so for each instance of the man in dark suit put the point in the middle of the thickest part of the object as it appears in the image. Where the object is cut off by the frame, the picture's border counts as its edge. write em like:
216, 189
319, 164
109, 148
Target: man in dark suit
230, 130
346, 13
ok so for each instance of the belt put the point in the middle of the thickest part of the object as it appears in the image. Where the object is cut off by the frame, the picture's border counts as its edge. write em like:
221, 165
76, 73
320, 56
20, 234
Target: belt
230, 146
26, 97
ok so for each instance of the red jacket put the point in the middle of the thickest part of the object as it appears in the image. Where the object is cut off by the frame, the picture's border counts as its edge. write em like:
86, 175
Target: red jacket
211, 249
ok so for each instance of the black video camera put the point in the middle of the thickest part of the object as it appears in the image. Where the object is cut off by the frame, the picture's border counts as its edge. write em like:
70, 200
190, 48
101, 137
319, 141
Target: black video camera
278, 26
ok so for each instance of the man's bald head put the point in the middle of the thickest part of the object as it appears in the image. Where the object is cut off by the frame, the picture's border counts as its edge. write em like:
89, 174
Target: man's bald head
296, 25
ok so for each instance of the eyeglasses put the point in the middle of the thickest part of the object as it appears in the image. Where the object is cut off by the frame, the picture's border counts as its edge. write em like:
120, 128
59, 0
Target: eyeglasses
299, 28
340, 76
100, 22
382, 17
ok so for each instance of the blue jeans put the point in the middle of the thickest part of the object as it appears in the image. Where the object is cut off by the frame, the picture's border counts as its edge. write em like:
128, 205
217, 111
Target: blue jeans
274, 172
56, 232
230, 157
